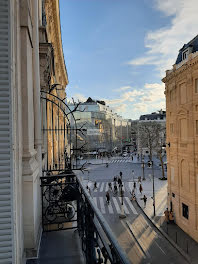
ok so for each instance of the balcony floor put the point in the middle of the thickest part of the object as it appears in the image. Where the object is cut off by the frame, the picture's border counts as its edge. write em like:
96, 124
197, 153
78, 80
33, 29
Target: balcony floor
59, 247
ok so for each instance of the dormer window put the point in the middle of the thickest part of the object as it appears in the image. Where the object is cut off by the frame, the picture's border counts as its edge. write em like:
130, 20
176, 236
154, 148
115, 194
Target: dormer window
185, 54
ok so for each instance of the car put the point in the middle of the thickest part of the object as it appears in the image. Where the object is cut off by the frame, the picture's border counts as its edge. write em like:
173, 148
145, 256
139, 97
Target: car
124, 154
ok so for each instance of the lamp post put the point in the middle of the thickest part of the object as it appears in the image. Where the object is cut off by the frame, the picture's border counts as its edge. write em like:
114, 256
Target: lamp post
143, 165
133, 174
153, 188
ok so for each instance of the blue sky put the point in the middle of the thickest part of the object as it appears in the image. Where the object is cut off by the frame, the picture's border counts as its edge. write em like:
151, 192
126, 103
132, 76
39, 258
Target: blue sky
118, 50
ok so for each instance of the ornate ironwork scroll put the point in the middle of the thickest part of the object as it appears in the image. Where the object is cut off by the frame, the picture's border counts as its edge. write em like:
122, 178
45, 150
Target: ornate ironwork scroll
59, 202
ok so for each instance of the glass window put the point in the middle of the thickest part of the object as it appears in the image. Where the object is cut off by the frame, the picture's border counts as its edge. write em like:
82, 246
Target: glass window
196, 127
196, 85
185, 210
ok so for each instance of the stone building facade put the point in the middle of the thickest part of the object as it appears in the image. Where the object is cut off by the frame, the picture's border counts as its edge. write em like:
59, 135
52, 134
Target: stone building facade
156, 121
54, 80
106, 131
25, 42
181, 92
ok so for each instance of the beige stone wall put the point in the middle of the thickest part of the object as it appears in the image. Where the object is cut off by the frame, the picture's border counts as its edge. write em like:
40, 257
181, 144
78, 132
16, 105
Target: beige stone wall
182, 155
26, 81
55, 119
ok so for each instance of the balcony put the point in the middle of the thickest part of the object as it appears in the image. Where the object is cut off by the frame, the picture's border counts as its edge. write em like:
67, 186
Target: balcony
74, 230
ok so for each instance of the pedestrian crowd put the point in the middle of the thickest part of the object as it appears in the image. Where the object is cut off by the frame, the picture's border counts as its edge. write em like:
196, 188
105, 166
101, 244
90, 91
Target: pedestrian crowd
169, 216
117, 187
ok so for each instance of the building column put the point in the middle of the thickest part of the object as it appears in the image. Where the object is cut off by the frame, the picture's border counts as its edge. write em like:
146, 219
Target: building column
31, 144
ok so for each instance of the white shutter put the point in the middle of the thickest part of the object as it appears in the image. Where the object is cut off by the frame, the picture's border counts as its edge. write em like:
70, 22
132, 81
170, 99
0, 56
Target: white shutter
6, 174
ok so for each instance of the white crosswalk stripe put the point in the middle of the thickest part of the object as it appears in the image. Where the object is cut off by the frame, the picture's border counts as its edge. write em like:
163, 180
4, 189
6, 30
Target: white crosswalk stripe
130, 205
120, 160
107, 187
95, 201
114, 207
124, 205
104, 186
110, 207
102, 206
101, 187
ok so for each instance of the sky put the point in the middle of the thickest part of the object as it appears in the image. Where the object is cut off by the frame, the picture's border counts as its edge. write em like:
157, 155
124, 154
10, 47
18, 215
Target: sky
118, 50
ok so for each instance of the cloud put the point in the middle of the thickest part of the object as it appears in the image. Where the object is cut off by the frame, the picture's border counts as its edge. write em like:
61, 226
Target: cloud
124, 88
140, 107
78, 97
163, 44
143, 60
134, 102
126, 96
120, 108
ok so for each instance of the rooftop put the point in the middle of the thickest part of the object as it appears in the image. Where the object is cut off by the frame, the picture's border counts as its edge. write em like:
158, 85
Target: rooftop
191, 45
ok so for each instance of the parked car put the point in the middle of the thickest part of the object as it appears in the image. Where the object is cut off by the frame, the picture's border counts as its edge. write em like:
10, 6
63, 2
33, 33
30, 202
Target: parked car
124, 154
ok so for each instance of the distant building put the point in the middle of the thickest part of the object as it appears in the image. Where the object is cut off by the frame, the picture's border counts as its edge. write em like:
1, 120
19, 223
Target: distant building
105, 130
182, 136
160, 116
150, 119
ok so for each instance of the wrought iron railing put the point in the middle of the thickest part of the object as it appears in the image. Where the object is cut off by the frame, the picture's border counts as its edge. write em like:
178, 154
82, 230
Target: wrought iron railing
59, 201
67, 204
98, 241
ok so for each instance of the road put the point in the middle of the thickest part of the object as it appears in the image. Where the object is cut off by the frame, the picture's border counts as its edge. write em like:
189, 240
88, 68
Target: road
142, 242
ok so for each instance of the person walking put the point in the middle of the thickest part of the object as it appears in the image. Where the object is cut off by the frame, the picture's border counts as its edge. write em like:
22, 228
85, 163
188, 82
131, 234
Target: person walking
132, 194
95, 185
110, 187
132, 157
166, 213
140, 188
115, 189
120, 175
107, 197
144, 199
120, 183
134, 185
171, 217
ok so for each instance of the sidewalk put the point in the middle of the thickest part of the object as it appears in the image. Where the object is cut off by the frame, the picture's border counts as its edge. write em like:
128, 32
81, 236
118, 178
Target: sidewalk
176, 236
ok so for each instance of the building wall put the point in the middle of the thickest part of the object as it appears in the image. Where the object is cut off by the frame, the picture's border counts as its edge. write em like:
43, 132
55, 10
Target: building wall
24, 24
57, 74
182, 133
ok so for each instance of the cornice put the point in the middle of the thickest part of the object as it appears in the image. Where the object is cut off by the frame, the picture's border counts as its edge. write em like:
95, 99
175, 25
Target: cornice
53, 17
183, 69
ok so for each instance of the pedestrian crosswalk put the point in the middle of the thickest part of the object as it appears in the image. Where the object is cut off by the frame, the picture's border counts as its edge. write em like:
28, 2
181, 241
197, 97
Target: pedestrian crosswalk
104, 186
115, 205
120, 160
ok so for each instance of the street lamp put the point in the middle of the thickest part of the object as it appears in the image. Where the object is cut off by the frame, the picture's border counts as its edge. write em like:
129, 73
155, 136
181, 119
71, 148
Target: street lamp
143, 165
153, 189
133, 174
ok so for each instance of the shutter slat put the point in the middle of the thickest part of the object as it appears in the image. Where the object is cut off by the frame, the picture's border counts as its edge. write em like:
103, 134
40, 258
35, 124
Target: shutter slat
6, 215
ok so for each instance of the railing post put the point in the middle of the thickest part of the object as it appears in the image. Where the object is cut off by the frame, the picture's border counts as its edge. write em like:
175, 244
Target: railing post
89, 234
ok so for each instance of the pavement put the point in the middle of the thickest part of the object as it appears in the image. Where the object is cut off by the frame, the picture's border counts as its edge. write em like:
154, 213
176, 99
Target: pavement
142, 239
176, 236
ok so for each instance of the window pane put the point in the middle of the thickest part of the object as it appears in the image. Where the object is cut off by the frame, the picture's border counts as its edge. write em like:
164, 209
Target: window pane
196, 85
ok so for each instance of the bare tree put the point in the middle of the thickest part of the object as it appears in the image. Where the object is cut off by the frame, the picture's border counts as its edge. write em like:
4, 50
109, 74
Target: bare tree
148, 134
160, 149
152, 136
